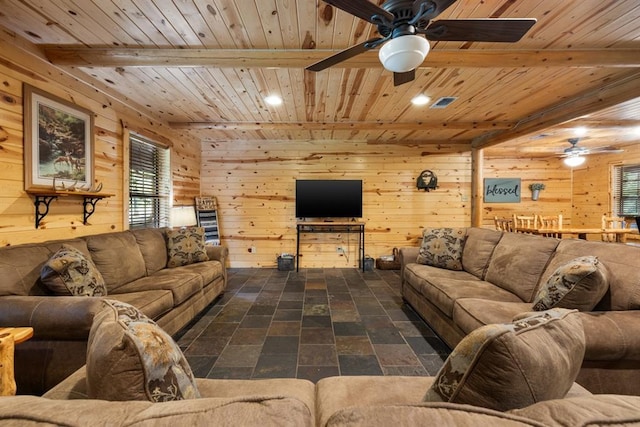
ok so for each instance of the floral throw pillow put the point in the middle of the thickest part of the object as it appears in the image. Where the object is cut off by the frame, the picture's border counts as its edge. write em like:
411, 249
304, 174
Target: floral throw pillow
442, 247
513, 365
70, 272
129, 357
186, 246
581, 283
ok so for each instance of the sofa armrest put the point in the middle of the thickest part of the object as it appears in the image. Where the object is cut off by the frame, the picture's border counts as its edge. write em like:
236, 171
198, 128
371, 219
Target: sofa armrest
51, 317
611, 335
217, 253
407, 255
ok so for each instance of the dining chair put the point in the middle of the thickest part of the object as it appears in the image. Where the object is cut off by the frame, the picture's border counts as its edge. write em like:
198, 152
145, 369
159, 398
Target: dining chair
523, 222
550, 222
503, 224
610, 221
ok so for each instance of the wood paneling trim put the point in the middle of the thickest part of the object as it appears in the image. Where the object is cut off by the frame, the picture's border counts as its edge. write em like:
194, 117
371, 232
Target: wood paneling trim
301, 58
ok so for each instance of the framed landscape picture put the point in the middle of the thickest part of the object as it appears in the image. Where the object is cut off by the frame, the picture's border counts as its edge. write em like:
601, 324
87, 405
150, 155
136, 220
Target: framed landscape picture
58, 142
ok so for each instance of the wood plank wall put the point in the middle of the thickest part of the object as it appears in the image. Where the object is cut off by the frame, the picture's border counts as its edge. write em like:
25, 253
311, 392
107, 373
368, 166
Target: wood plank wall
591, 188
254, 182
20, 63
554, 199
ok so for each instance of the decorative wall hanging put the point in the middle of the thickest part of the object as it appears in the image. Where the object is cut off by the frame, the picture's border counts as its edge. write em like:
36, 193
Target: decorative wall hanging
502, 190
535, 190
58, 142
427, 180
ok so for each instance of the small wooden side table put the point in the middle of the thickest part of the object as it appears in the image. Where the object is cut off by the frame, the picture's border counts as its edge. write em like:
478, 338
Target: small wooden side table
9, 337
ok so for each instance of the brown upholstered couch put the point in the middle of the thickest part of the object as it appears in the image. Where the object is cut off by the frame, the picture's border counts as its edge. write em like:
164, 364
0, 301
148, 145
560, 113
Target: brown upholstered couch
133, 265
334, 401
501, 274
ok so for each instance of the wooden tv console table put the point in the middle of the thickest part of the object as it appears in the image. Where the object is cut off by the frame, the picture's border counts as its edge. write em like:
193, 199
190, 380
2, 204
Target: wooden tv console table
331, 227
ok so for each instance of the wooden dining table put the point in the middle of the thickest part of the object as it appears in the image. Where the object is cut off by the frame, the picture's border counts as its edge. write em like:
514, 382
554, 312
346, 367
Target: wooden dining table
582, 232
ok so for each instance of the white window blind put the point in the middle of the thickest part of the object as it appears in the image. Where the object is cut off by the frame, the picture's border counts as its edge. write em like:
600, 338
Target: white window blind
626, 190
149, 184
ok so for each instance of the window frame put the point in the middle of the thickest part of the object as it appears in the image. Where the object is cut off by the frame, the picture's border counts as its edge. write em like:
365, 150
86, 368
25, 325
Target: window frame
149, 183
626, 190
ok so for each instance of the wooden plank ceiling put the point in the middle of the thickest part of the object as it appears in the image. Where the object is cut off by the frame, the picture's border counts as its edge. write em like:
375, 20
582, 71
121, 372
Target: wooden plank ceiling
206, 66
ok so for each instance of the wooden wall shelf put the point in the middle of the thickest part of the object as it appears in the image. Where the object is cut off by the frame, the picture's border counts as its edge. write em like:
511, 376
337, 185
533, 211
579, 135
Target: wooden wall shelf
43, 197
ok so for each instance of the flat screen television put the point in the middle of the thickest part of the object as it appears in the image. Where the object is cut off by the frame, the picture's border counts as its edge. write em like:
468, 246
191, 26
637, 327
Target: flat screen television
328, 198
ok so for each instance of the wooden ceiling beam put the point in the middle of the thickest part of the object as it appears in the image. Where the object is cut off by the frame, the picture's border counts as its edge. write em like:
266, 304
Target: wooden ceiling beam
600, 124
564, 113
314, 126
301, 58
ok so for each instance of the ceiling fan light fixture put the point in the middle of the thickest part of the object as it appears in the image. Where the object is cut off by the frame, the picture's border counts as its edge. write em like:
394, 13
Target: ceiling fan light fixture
573, 161
404, 53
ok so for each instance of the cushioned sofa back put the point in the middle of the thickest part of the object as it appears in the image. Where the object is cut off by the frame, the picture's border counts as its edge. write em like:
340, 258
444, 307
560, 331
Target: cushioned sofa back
118, 257
152, 243
20, 265
623, 268
478, 249
20, 269
518, 261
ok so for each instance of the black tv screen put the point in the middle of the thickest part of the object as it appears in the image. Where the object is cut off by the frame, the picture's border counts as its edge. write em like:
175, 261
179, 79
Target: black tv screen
328, 198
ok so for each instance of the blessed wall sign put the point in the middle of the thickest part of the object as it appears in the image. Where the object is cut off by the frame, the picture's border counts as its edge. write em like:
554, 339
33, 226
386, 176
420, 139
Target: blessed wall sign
502, 190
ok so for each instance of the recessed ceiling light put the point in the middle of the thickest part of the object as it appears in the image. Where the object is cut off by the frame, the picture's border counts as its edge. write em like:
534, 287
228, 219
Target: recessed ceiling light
580, 131
420, 100
273, 100
637, 131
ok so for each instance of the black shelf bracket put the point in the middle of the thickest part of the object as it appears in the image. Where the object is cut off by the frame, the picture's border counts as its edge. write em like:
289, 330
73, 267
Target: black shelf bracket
89, 206
42, 207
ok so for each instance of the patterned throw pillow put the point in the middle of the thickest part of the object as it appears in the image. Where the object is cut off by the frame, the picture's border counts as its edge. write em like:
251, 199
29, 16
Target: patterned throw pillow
581, 283
129, 357
69, 272
442, 247
508, 366
186, 246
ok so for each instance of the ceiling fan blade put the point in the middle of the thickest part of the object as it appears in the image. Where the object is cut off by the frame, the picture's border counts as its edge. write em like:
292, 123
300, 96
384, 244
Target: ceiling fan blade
402, 78
363, 9
479, 30
343, 55
606, 150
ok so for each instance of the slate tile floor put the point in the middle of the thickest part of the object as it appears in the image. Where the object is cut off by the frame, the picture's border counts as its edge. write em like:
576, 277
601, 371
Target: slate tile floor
311, 324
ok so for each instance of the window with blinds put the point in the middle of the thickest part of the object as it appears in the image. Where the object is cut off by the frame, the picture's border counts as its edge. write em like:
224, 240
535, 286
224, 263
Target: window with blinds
626, 190
149, 184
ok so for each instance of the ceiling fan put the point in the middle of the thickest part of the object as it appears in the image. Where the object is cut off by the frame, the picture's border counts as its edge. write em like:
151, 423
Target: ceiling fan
405, 26
574, 155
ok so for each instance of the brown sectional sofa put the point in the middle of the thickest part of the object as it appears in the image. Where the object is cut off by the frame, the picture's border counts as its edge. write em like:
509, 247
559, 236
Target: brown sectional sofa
501, 274
333, 401
133, 265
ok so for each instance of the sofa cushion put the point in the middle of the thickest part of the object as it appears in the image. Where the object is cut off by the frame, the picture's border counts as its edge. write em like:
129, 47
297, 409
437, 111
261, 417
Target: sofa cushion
471, 313
478, 248
443, 291
518, 261
182, 284
20, 269
581, 283
186, 246
129, 357
153, 247
513, 365
623, 265
69, 272
442, 247
118, 258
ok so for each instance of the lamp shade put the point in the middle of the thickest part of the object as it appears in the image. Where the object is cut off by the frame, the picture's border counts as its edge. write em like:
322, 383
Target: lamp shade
404, 53
183, 216
574, 161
